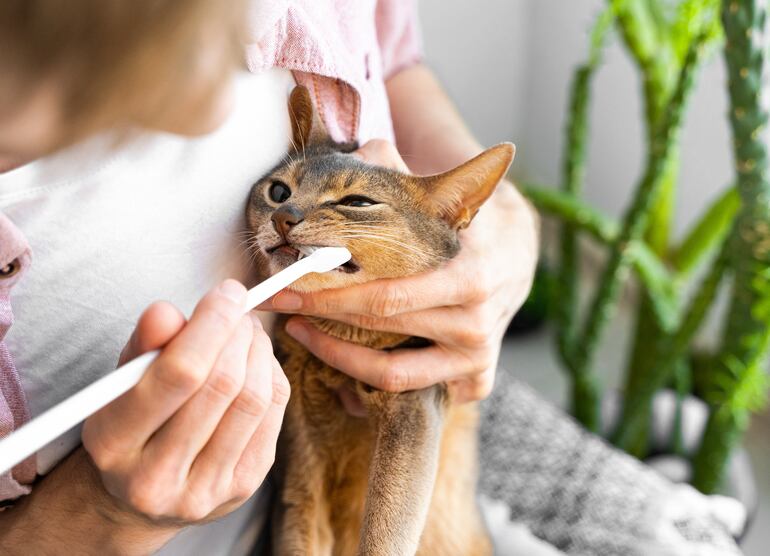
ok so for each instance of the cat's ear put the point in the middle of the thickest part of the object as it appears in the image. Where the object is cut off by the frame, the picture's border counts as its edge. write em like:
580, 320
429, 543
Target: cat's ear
458, 194
306, 125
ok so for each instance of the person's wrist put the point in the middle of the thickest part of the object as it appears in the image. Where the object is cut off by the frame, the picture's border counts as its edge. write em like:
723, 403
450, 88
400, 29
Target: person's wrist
70, 508
126, 531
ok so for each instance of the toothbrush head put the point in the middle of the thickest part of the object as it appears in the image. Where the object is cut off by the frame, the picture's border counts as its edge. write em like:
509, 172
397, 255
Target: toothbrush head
326, 259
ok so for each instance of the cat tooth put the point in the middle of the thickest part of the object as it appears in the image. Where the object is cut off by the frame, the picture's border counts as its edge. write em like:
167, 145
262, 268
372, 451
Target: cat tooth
306, 250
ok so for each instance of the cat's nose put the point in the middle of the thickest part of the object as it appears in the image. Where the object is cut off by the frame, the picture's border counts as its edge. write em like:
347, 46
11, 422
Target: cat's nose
285, 218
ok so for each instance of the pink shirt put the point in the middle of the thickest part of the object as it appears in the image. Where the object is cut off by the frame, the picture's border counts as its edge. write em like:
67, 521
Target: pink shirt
14, 260
342, 50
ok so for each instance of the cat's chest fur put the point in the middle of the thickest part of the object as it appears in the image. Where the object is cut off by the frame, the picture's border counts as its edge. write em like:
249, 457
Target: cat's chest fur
315, 385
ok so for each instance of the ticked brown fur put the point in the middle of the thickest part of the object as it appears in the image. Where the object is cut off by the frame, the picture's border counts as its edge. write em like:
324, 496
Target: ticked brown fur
401, 479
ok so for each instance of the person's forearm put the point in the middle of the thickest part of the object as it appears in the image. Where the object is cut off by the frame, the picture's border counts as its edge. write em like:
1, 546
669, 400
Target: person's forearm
69, 511
430, 133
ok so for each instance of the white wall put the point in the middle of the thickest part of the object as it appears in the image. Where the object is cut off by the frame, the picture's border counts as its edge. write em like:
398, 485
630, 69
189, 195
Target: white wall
508, 64
479, 50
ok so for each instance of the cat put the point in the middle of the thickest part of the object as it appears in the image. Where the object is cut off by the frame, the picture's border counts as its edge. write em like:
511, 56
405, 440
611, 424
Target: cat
399, 477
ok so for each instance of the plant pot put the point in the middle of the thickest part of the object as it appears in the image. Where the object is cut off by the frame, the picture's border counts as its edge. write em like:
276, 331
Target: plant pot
739, 481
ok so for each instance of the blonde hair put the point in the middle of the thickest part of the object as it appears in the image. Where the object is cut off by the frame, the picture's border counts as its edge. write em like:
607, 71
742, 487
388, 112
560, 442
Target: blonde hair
117, 61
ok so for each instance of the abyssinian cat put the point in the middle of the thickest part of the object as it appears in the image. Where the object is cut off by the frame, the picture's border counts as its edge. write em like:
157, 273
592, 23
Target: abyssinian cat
399, 478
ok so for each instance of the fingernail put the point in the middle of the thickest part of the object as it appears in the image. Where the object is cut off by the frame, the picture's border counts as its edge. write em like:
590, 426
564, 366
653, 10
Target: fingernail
297, 330
287, 301
232, 289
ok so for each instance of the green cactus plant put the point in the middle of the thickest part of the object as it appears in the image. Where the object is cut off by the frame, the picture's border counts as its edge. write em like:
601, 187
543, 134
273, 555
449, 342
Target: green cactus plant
668, 40
739, 381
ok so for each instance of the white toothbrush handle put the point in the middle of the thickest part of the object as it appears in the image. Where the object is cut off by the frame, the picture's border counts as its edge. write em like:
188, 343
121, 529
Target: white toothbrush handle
267, 289
48, 426
62, 417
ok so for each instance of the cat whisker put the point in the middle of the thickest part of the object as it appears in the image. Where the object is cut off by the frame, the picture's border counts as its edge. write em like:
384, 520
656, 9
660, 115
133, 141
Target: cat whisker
247, 239
385, 237
251, 255
384, 241
418, 258
373, 230
381, 245
368, 228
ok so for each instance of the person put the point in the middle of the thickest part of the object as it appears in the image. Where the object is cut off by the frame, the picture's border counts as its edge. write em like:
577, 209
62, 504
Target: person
128, 141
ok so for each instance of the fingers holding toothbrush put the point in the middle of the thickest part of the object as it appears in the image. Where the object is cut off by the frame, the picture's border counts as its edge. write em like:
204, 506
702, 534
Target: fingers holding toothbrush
195, 438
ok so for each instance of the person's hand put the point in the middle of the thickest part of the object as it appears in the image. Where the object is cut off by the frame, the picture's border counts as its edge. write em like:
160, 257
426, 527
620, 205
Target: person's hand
464, 307
196, 437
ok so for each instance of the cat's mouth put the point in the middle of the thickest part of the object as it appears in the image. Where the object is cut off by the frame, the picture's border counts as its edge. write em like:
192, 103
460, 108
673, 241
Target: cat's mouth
292, 252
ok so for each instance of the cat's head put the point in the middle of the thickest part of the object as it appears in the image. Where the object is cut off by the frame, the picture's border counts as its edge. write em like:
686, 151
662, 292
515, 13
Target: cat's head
394, 224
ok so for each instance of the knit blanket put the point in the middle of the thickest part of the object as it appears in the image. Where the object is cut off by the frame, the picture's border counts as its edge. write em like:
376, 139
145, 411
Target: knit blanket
581, 496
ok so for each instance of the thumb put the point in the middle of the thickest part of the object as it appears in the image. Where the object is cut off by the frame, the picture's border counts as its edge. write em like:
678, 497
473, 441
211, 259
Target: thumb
157, 326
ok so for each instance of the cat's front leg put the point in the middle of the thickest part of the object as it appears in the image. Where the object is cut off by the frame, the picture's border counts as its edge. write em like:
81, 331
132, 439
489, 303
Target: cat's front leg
403, 468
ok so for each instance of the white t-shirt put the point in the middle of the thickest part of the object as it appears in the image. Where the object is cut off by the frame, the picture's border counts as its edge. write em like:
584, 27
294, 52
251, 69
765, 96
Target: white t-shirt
112, 230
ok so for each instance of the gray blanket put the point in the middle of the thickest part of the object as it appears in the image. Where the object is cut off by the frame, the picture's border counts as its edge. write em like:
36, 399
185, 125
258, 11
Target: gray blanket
581, 496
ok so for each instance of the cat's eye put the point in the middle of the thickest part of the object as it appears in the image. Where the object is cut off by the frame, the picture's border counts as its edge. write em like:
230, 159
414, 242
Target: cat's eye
357, 201
279, 192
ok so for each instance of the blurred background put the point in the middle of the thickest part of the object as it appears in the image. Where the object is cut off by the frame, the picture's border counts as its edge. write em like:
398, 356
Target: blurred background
507, 65
508, 68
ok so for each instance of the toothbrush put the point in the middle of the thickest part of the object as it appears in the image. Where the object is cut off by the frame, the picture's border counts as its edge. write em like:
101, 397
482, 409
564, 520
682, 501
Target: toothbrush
38, 432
